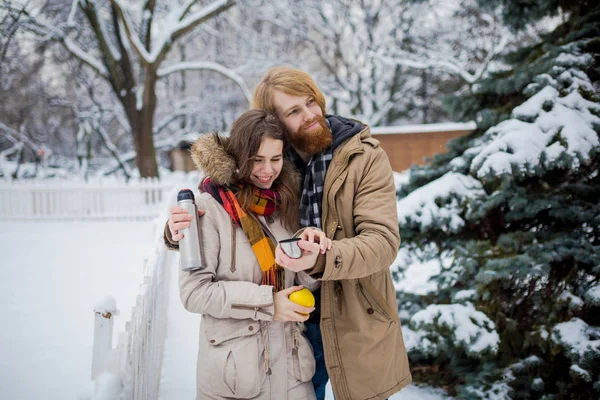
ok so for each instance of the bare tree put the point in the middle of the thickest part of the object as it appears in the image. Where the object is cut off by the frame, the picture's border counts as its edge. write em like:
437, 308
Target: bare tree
130, 57
381, 60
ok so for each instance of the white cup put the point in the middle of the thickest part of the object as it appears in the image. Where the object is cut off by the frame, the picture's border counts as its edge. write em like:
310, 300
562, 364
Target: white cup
290, 247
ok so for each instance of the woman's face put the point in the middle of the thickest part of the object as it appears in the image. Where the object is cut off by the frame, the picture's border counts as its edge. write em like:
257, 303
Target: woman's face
267, 163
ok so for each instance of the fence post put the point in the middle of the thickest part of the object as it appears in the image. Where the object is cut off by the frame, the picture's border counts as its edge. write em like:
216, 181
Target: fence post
103, 332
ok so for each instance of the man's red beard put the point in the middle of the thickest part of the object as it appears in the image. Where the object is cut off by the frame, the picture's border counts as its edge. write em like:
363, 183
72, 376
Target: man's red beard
312, 142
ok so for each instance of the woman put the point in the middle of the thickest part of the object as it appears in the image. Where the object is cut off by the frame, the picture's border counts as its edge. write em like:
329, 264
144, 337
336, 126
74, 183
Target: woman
251, 341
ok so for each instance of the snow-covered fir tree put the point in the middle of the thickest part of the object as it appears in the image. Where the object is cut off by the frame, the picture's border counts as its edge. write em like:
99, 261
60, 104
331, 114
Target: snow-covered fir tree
510, 218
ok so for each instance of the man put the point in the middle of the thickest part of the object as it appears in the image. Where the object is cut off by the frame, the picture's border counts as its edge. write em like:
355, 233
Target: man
347, 191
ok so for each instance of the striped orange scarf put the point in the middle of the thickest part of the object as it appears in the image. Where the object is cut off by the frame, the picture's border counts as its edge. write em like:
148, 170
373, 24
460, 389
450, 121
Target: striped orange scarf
265, 202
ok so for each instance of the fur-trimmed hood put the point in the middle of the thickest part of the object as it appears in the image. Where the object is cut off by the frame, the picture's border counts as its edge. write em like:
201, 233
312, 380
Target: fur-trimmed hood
212, 160
210, 157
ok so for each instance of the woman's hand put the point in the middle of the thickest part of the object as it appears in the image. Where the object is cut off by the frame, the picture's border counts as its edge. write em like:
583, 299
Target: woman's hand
179, 219
310, 253
316, 236
287, 310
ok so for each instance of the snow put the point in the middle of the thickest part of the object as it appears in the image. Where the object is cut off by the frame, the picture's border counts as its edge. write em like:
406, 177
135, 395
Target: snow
574, 335
417, 278
593, 295
572, 60
569, 298
580, 372
107, 304
532, 107
85, 57
498, 391
401, 178
537, 384
176, 22
425, 128
49, 296
470, 328
106, 387
421, 206
542, 129
210, 66
468, 295
53, 276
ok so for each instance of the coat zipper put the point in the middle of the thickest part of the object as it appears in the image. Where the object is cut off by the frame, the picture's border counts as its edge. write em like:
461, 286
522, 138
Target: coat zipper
344, 166
266, 353
256, 308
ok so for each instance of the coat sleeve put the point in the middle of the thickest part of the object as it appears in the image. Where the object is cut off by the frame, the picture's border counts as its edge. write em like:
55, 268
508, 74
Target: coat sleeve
202, 293
169, 242
302, 278
377, 239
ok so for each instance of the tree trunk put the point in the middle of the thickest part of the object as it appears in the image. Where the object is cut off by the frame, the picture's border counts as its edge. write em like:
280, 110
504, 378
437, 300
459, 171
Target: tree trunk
141, 122
145, 158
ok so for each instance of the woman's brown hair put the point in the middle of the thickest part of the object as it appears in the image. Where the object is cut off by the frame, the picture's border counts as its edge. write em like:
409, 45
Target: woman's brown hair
243, 144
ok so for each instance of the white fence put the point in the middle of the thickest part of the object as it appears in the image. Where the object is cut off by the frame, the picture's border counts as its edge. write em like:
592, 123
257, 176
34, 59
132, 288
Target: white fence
59, 200
141, 346
133, 368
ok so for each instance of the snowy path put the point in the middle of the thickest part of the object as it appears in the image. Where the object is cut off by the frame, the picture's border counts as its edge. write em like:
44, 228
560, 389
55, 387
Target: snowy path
178, 379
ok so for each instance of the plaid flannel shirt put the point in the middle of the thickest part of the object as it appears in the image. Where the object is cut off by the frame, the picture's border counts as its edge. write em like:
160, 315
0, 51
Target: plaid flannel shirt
313, 182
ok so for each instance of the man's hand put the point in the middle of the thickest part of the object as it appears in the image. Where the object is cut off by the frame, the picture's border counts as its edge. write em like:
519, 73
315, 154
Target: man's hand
287, 310
316, 236
310, 252
179, 219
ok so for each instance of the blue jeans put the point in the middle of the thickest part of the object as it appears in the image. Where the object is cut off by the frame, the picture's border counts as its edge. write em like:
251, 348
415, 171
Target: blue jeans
319, 380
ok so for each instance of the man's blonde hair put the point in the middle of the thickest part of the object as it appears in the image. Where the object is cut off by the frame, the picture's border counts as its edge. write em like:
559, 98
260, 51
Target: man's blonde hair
287, 80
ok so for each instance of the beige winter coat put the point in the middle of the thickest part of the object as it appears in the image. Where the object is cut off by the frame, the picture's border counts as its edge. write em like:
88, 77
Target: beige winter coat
243, 353
362, 337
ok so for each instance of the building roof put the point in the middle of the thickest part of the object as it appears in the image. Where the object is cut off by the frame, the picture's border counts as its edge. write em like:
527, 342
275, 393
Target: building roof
424, 128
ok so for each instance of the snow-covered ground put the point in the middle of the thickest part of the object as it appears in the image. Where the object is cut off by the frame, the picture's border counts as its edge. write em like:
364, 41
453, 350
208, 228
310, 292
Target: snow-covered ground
51, 276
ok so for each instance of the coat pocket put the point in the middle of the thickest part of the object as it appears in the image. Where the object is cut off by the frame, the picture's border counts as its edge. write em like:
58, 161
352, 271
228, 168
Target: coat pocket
234, 357
303, 356
375, 305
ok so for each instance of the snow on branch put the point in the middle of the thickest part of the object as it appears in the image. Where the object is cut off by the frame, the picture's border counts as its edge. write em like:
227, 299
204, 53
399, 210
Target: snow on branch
440, 202
543, 130
71, 18
166, 121
129, 32
469, 329
578, 338
84, 57
176, 26
113, 150
210, 66
51, 32
449, 66
445, 65
182, 26
15, 136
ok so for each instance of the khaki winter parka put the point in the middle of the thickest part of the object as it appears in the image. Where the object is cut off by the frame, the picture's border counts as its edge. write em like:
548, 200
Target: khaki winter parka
243, 353
362, 337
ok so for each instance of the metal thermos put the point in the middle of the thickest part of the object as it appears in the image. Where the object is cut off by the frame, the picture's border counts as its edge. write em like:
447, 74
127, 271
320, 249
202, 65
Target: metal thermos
190, 257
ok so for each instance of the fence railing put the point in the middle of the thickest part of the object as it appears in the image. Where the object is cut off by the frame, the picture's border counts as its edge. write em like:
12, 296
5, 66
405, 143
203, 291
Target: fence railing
56, 200
133, 367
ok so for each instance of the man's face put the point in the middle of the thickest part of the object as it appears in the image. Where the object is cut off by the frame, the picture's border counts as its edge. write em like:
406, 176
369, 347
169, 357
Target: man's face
304, 121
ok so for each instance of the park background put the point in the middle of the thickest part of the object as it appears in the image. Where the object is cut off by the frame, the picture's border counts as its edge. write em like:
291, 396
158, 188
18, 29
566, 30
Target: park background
498, 273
